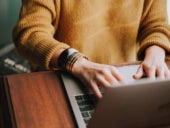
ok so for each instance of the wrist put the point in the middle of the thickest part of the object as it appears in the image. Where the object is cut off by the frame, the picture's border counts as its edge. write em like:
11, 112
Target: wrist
80, 65
155, 51
68, 58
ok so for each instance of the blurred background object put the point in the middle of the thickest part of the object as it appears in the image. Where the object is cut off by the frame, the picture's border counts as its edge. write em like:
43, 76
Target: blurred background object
10, 61
9, 12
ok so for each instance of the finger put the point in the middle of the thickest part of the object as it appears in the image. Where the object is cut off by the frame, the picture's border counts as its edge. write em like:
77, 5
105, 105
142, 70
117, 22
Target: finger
96, 90
118, 77
160, 72
114, 82
139, 73
150, 72
107, 81
167, 72
102, 81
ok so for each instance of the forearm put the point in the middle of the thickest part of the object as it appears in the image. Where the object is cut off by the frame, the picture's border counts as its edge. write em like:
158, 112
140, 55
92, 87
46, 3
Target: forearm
34, 33
154, 29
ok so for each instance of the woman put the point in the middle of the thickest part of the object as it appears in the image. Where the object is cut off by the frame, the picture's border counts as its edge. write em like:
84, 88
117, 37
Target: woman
64, 33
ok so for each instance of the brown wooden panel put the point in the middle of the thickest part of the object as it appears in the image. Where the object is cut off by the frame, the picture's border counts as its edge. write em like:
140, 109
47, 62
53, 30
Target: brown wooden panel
38, 101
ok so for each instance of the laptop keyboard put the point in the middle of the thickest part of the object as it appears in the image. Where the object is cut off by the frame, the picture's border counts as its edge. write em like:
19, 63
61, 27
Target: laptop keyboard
86, 103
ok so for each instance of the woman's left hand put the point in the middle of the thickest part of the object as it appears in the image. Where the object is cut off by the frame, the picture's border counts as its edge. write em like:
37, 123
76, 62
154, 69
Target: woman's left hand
153, 64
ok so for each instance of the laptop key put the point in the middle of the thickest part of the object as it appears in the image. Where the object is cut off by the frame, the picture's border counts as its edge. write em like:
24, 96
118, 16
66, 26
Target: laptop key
86, 105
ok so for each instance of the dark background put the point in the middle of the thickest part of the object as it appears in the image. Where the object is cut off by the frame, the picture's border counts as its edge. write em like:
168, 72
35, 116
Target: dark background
10, 61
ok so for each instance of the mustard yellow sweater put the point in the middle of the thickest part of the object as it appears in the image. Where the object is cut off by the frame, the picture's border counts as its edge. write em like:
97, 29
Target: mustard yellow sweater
106, 31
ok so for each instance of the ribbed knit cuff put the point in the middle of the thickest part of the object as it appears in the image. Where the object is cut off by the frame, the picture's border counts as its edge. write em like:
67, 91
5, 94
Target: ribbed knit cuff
165, 44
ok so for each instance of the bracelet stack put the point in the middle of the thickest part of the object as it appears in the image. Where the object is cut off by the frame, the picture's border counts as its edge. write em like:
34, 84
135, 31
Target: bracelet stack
68, 57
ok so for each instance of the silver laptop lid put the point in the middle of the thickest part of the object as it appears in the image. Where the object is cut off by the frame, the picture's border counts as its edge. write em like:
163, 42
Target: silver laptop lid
139, 105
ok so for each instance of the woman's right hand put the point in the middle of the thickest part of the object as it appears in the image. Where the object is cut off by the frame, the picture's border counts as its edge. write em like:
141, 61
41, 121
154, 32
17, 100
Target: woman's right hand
96, 75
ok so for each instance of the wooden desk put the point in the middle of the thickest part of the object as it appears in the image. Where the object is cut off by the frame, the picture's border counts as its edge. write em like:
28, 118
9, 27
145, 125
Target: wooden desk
34, 100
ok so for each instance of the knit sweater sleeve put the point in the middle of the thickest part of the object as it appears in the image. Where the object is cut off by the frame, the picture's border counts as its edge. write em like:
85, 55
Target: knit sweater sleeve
154, 28
34, 33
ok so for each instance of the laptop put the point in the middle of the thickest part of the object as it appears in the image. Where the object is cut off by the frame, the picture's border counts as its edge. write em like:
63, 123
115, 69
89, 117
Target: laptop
141, 103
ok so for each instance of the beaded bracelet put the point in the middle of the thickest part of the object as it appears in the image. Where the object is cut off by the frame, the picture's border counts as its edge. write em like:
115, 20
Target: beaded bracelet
68, 57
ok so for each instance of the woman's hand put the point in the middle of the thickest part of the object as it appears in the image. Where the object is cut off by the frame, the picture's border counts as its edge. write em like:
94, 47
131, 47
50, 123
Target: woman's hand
153, 64
96, 75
